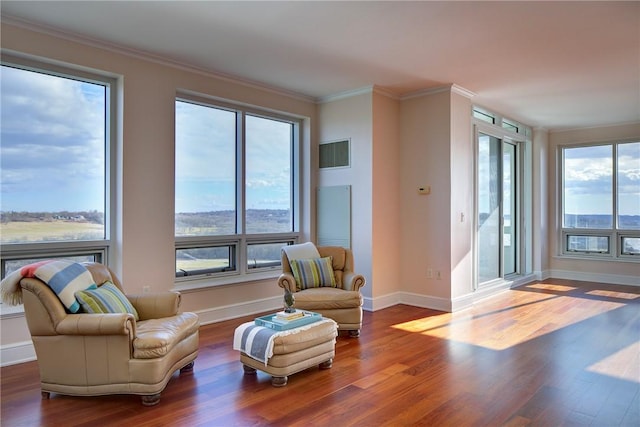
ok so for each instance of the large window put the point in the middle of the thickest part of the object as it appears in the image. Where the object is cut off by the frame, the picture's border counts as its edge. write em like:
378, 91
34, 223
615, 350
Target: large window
55, 162
235, 189
601, 199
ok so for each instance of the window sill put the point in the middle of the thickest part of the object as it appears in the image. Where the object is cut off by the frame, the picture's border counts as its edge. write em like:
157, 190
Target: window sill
196, 284
11, 311
605, 258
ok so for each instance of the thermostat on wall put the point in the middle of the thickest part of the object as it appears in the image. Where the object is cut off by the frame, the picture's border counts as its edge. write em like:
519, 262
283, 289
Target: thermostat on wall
424, 190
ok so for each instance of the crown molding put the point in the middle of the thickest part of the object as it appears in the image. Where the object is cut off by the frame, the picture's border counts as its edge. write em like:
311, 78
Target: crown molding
345, 94
150, 57
454, 88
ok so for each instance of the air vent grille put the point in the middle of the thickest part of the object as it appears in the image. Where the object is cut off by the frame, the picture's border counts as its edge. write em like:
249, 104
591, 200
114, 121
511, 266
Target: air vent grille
334, 154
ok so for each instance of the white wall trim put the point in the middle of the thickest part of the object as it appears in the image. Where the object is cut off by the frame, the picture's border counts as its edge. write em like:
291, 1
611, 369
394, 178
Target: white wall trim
18, 352
24, 351
439, 89
233, 311
615, 279
346, 94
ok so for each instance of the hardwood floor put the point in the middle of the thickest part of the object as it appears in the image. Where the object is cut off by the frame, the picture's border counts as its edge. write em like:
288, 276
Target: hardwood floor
547, 354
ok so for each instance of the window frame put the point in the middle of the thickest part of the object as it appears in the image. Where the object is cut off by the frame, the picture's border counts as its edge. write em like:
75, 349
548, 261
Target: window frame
521, 216
99, 249
241, 240
615, 235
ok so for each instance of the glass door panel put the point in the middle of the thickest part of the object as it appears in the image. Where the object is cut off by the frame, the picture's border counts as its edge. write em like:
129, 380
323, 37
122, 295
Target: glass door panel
489, 216
509, 213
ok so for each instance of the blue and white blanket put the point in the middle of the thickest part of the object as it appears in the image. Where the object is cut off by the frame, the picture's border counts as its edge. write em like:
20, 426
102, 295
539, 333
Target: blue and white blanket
257, 341
64, 277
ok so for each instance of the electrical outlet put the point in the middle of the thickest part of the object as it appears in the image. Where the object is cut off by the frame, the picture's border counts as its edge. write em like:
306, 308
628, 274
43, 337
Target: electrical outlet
429, 273
146, 289
438, 275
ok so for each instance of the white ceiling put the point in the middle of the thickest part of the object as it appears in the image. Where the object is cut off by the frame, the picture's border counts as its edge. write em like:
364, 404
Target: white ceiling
556, 65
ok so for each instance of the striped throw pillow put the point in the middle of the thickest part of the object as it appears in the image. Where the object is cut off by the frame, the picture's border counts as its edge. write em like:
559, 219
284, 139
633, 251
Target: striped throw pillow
105, 299
313, 273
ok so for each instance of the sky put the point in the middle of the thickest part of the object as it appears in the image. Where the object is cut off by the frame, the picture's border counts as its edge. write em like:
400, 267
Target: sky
52, 156
51, 143
206, 160
52, 138
588, 179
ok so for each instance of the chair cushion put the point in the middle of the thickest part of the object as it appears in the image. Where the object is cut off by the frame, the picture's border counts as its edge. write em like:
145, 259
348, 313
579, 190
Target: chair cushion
313, 273
157, 337
105, 299
327, 299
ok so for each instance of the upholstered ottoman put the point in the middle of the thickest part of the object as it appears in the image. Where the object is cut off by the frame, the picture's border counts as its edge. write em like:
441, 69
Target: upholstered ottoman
282, 353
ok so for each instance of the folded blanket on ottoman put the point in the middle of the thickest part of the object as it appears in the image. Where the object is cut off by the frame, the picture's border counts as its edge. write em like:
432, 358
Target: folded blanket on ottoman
257, 341
64, 277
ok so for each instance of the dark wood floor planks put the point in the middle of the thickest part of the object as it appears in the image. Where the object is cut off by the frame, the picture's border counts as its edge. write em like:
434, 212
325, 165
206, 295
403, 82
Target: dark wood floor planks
550, 353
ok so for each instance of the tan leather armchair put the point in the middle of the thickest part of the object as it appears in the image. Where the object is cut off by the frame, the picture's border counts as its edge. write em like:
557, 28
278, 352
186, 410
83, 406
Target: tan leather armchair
343, 303
99, 354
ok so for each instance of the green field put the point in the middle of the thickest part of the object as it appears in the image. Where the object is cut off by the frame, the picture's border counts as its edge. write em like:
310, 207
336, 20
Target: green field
55, 230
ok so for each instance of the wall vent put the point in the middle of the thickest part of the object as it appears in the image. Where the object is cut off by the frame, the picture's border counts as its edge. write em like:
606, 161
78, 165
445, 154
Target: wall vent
334, 154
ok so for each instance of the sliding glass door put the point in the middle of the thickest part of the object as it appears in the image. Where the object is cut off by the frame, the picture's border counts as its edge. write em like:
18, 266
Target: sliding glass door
497, 192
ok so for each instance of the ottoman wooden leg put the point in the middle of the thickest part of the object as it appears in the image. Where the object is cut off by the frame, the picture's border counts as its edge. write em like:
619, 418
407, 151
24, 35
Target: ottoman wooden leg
248, 370
327, 364
279, 381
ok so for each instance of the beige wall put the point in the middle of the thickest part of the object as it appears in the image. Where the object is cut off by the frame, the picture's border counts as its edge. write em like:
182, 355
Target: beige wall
606, 271
386, 204
144, 252
425, 135
462, 196
351, 117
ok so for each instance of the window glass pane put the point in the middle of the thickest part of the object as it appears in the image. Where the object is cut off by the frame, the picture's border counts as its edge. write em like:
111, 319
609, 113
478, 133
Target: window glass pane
205, 170
510, 126
52, 158
599, 244
629, 186
268, 175
509, 214
203, 260
488, 208
483, 116
264, 254
12, 265
631, 245
588, 182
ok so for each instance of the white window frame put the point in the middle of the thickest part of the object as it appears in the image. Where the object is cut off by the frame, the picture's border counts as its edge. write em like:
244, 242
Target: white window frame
101, 249
239, 242
491, 123
615, 235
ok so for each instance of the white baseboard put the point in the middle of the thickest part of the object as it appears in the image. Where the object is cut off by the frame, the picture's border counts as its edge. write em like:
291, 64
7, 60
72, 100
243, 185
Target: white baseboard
615, 279
24, 351
233, 311
19, 352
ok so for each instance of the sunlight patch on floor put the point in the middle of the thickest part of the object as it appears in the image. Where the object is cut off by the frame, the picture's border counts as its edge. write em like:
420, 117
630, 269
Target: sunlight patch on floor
552, 287
613, 294
498, 326
624, 364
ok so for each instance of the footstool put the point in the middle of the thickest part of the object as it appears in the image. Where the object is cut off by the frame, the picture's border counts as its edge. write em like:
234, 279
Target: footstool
290, 351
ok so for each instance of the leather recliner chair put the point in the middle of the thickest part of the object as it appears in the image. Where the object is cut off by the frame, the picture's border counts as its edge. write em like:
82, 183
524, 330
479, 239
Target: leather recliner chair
343, 303
98, 354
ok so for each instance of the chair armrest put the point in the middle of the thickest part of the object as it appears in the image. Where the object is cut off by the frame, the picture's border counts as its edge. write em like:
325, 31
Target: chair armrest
156, 305
286, 281
352, 281
97, 324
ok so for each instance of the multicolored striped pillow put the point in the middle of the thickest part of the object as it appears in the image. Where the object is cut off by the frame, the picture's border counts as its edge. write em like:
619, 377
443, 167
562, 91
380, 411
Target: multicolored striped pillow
105, 299
313, 273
